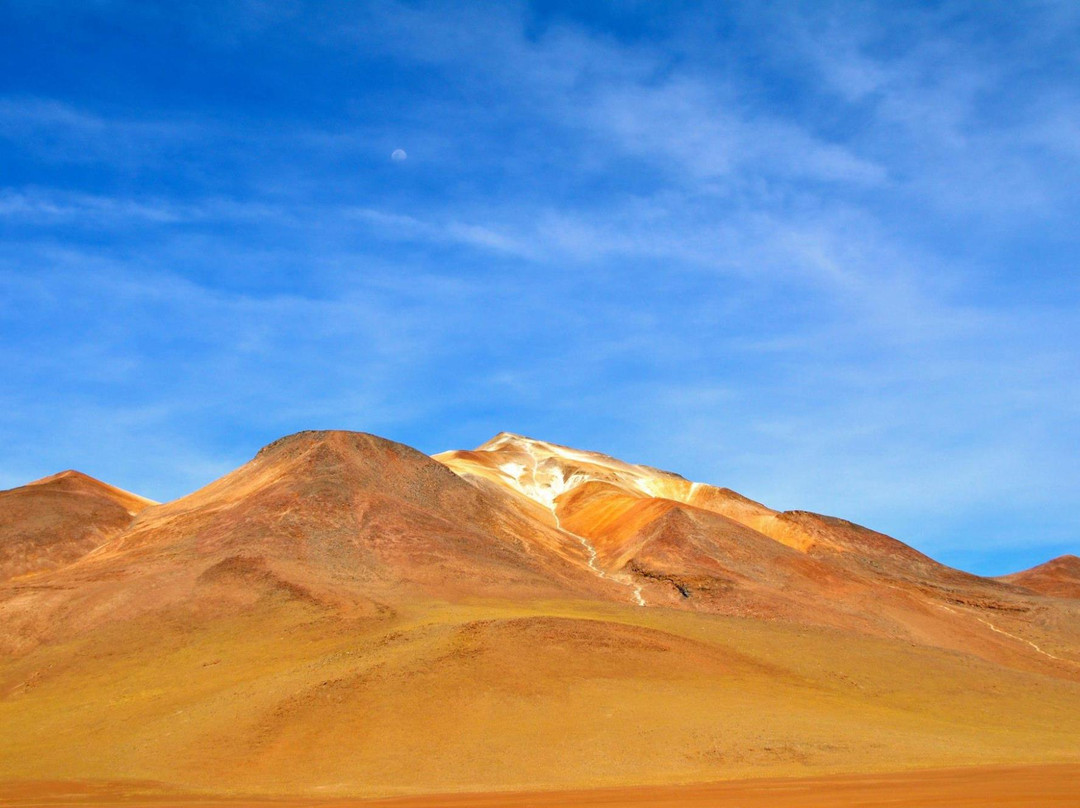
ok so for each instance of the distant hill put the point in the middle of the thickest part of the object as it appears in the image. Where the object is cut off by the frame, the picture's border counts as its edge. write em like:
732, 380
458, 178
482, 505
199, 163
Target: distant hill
55, 520
1059, 577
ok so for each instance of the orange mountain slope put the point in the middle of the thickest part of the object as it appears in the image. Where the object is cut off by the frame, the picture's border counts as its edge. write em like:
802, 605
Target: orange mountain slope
1059, 577
344, 615
55, 520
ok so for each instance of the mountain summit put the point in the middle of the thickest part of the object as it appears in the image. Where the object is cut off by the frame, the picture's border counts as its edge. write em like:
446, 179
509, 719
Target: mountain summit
1058, 577
58, 519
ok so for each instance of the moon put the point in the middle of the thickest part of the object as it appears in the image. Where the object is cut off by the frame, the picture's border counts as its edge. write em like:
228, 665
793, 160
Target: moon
397, 155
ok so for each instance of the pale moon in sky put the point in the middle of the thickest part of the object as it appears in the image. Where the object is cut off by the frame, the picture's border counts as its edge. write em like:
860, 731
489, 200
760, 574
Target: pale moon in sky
398, 155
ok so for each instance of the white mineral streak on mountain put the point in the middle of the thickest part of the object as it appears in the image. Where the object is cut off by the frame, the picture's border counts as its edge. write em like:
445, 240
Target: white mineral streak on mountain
545, 471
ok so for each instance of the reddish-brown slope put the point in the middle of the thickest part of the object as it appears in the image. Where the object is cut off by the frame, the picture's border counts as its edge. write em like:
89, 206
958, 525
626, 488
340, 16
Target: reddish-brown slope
341, 520
844, 543
1059, 577
58, 519
693, 558
359, 507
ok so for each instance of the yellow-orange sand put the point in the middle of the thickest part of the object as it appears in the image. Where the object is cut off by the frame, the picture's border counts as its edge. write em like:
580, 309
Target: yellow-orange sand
983, 787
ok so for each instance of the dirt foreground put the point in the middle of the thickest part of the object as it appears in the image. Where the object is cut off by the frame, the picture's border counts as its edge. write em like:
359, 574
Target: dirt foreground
1046, 786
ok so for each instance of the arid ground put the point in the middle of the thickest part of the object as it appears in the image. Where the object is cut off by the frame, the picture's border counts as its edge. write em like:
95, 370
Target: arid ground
981, 787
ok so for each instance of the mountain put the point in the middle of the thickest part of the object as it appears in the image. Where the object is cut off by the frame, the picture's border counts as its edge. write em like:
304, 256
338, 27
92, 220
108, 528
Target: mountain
336, 519
1058, 577
56, 520
685, 544
346, 615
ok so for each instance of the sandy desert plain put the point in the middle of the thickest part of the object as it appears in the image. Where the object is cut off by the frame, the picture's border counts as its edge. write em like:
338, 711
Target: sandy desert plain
347, 621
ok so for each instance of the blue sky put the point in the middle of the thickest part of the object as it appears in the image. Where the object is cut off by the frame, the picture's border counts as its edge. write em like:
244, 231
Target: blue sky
822, 253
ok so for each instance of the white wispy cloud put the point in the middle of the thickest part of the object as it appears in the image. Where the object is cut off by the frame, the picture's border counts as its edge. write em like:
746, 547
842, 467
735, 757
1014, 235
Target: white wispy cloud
704, 134
397, 225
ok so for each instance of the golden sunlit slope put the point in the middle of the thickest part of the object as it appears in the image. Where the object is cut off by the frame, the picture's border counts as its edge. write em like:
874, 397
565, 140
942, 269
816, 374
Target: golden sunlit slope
287, 698
1059, 577
55, 520
345, 615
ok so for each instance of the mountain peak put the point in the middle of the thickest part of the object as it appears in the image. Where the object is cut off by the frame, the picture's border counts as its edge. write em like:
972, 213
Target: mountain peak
503, 439
67, 474
353, 512
76, 482
60, 518
308, 438
1058, 577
